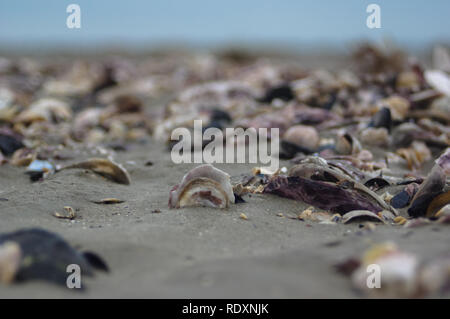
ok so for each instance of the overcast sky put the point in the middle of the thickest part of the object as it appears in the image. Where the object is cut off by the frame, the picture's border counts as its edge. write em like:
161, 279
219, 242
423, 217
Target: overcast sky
210, 22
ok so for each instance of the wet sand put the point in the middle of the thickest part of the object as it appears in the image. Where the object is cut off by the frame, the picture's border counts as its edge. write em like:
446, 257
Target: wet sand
190, 252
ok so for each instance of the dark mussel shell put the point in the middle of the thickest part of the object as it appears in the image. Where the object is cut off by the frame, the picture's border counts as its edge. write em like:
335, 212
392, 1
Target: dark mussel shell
46, 255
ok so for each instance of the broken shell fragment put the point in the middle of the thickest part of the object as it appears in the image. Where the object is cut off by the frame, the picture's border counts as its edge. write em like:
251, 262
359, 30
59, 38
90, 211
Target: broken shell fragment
431, 186
104, 167
320, 194
398, 106
70, 213
346, 144
437, 204
10, 258
403, 198
361, 215
204, 185
109, 201
382, 119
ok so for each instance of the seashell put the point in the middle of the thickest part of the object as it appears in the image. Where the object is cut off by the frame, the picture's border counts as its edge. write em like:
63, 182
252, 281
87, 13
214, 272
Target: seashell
303, 136
382, 119
399, 271
400, 220
243, 216
375, 136
10, 259
317, 168
376, 183
398, 106
403, 198
408, 80
437, 204
23, 157
46, 109
104, 167
415, 155
204, 185
10, 142
70, 213
443, 212
438, 80
320, 194
44, 256
347, 145
109, 201
358, 215
281, 92
431, 186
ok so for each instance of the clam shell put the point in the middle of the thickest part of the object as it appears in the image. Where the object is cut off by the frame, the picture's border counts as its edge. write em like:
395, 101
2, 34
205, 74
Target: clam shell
361, 214
203, 192
431, 186
347, 144
204, 185
104, 167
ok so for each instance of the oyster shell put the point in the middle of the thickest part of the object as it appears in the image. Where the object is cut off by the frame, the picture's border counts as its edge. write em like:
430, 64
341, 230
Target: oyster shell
204, 185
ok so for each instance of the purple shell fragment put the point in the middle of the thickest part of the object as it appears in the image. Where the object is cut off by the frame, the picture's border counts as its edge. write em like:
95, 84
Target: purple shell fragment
320, 194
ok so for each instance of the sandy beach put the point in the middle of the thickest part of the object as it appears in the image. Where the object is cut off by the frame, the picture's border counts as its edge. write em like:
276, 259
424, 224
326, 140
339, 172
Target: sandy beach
191, 252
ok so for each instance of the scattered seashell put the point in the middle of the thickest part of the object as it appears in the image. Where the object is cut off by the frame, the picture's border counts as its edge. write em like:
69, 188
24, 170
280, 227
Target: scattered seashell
10, 259
382, 119
9, 142
319, 194
243, 216
398, 106
376, 183
70, 213
109, 201
431, 186
415, 155
403, 198
400, 220
23, 157
104, 167
358, 215
46, 109
437, 204
347, 144
204, 185
408, 80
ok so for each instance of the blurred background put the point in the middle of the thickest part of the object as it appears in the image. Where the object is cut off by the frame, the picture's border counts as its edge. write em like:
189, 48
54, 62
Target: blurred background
288, 24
